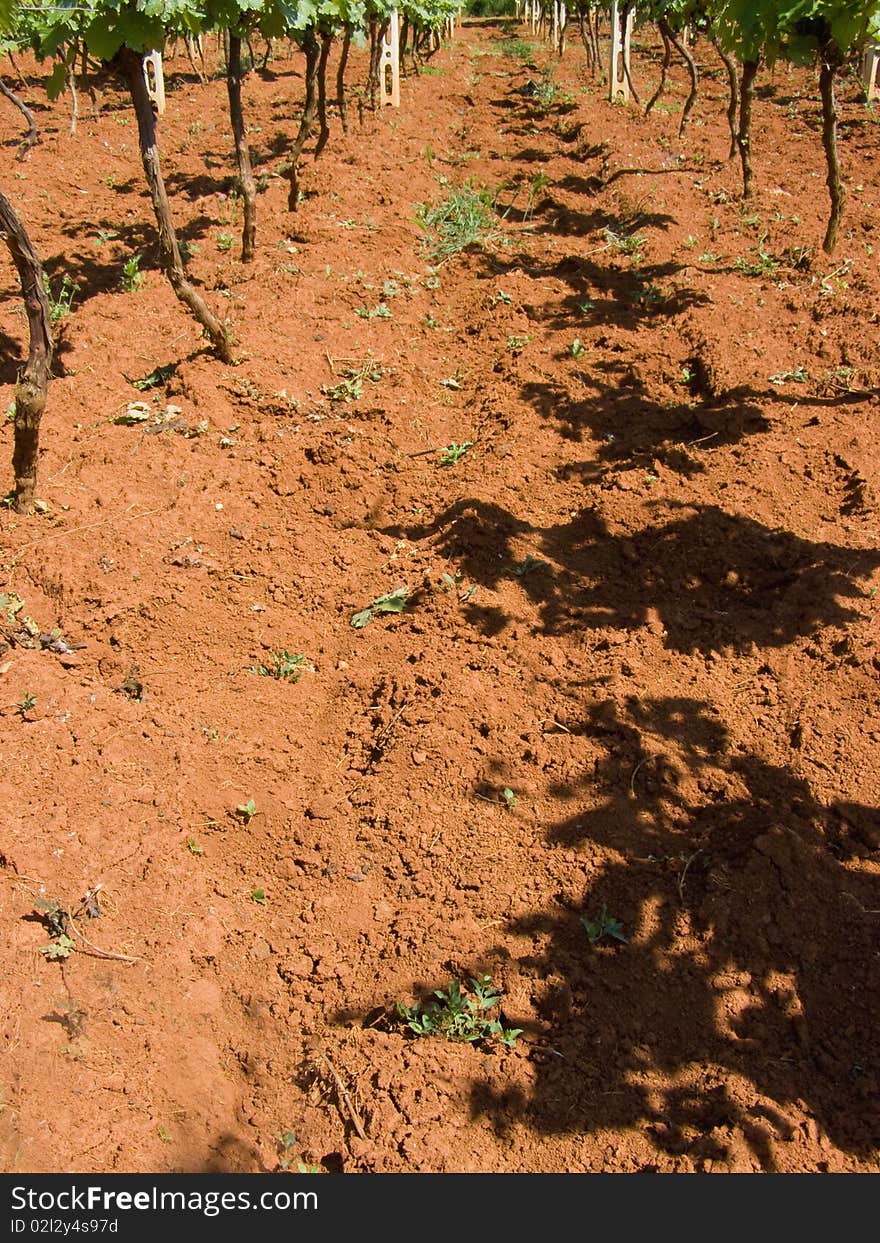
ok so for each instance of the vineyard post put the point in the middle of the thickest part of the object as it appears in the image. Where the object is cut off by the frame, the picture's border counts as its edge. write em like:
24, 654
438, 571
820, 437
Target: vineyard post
559, 24
389, 63
621, 38
155, 80
32, 385
870, 67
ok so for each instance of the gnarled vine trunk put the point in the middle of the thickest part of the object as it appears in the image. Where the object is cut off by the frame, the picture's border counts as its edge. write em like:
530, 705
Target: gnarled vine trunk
242, 151
32, 385
312, 49
664, 71
668, 33
733, 95
130, 66
323, 125
32, 134
340, 77
830, 60
744, 133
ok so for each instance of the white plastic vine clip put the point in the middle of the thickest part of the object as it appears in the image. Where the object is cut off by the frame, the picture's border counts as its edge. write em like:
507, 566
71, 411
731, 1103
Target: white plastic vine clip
620, 49
155, 80
389, 63
870, 76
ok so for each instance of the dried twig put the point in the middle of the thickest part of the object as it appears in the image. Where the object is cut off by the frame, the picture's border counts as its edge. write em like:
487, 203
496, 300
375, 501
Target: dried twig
346, 1099
683, 874
635, 772
96, 949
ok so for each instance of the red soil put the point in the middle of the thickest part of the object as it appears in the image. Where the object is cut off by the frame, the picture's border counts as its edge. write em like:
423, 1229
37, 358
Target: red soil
680, 689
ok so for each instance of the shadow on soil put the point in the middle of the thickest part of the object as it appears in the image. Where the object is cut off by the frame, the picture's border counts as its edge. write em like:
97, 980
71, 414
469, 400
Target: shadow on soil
714, 581
745, 982
751, 944
751, 949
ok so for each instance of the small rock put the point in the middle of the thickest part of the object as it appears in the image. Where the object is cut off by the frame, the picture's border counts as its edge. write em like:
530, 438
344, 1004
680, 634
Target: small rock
419, 757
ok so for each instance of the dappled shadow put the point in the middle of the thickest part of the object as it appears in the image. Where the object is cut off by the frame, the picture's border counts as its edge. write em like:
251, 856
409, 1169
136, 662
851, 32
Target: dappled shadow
202, 186
601, 293
624, 424
745, 975
13, 353
98, 266
715, 581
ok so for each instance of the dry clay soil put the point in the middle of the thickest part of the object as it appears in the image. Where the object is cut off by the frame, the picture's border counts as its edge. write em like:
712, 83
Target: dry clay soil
636, 676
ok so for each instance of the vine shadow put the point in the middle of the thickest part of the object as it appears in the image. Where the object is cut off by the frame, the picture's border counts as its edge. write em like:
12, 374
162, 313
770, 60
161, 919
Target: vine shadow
741, 999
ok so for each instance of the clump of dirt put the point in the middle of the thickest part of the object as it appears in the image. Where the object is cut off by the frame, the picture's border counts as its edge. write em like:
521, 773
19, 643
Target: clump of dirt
613, 742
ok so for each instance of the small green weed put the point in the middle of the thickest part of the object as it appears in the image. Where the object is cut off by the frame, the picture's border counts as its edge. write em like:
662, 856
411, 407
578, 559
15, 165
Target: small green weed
509, 797
648, 296
631, 244
285, 667
56, 919
259, 896
394, 602
458, 1013
62, 305
377, 312
603, 925
576, 349
764, 265
466, 217
225, 241
518, 49
26, 704
799, 376
454, 453
286, 1142
516, 344
499, 296
157, 377
132, 277
528, 564
345, 390
352, 386
547, 93
245, 812
193, 847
